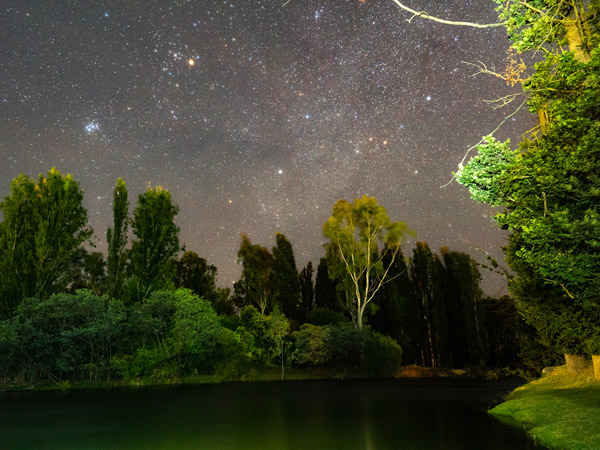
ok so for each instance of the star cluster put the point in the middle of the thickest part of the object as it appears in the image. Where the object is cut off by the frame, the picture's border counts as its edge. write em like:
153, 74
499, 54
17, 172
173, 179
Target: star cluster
257, 115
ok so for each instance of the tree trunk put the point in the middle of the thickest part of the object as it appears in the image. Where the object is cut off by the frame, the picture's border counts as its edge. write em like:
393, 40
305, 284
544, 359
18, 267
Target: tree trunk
596, 361
576, 363
578, 33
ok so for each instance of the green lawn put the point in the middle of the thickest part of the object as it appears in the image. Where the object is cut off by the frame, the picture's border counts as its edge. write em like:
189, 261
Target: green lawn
560, 411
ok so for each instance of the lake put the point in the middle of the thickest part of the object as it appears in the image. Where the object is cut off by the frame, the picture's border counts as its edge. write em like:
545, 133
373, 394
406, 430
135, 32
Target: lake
369, 415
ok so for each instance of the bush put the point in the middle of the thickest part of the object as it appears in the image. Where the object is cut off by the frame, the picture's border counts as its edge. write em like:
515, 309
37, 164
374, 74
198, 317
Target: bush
65, 336
346, 350
311, 346
178, 335
325, 316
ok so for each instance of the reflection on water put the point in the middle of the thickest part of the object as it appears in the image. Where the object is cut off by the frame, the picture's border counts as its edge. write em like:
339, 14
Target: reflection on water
369, 415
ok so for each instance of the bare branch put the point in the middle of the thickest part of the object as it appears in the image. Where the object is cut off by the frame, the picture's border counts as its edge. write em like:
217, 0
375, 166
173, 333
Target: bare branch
425, 15
503, 101
460, 164
482, 68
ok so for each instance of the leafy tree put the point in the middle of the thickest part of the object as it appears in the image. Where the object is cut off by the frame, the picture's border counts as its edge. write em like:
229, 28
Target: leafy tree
426, 273
464, 312
396, 315
307, 290
285, 277
177, 334
325, 287
256, 285
196, 274
88, 271
550, 189
268, 333
63, 337
156, 243
116, 237
44, 223
356, 231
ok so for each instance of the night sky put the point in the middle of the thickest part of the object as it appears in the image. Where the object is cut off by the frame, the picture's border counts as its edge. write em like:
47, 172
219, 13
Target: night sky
257, 115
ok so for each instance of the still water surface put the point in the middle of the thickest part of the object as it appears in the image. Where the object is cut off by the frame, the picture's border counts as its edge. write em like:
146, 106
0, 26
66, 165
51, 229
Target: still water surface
369, 415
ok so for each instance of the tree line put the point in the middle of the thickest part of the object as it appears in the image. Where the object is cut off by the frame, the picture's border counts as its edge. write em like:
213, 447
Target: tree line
151, 310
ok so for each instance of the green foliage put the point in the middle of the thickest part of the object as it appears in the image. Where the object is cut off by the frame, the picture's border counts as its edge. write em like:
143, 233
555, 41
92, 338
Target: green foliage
285, 278
196, 274
325, 287
325, 316
356, 233
483, 174
64, 336
312, 345
177, 334
265, 334
44, 224
346, 350
550, 190
116, 237
256, 285
156, 244
307, 290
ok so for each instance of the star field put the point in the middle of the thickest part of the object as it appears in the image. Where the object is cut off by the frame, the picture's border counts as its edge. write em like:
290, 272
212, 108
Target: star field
256, 115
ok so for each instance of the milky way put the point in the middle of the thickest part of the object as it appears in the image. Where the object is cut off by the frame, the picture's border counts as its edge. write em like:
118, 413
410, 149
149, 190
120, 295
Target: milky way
257, 115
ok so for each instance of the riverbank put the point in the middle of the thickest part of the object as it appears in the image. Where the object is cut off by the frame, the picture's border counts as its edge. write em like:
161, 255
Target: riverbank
559, 410
258, 374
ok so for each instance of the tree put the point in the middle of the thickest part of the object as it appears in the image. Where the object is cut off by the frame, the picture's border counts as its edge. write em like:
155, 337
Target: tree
156, 245
87, 271
286, 281
256, 286
395, 315
426, 273
196, 274
116, 236
463, 310
325, 292
44, 223
307, 290
355, 232
65, 336
549, 188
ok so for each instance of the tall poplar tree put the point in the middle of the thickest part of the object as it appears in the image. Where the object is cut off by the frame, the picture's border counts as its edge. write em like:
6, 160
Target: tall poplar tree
44, 224
307, 289
156, 244
116, 237
325, 291
285, 273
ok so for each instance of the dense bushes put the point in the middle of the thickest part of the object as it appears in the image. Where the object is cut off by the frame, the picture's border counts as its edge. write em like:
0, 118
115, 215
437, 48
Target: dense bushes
67, 336
173, 336
346, 350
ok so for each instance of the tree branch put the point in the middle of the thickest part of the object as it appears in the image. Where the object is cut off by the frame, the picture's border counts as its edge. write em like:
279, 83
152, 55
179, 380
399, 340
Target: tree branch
425, 15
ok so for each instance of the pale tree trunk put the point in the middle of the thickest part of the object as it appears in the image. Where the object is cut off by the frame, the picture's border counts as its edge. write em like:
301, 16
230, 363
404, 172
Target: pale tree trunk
596, 362
576, 363
578, 33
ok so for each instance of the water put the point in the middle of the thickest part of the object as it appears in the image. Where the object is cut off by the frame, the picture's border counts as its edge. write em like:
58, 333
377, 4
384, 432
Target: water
369, 415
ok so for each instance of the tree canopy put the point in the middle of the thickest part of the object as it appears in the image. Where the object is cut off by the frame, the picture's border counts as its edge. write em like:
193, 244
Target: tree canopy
356, 232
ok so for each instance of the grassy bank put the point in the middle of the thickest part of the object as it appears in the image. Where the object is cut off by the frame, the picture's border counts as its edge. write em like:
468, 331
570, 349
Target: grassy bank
254, 374
560, 411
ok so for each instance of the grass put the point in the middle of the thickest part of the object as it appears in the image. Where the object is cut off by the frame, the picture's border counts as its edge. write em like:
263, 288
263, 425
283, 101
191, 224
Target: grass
560, 411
